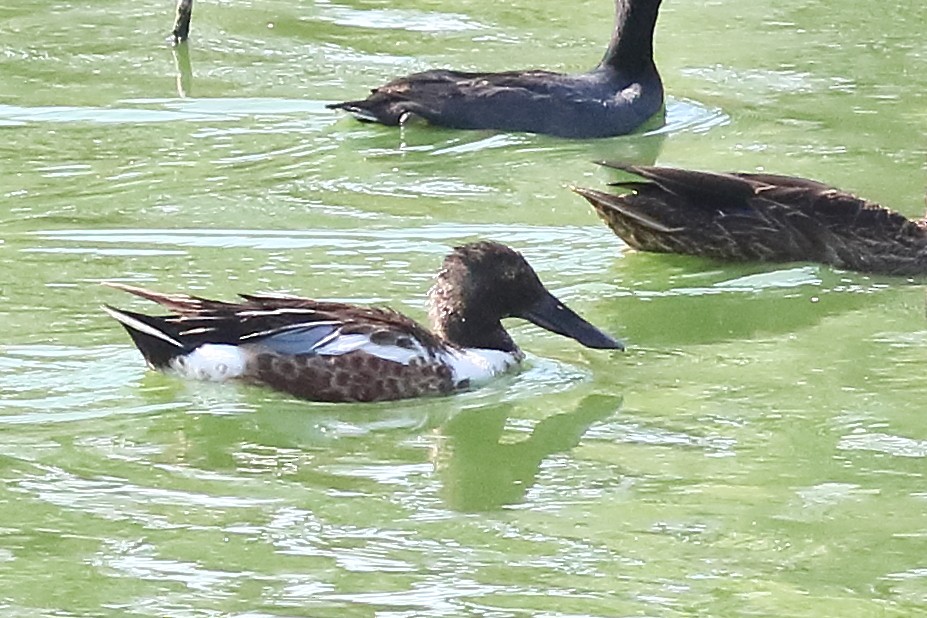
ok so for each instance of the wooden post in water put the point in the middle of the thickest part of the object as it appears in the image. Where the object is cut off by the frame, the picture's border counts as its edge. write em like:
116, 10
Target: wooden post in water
182, 21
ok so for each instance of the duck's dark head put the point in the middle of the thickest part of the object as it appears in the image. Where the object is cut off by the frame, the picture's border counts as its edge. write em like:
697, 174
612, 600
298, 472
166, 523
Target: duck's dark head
484, 282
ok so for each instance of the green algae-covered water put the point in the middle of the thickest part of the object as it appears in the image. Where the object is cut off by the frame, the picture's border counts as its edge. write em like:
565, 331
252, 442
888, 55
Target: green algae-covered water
759, 450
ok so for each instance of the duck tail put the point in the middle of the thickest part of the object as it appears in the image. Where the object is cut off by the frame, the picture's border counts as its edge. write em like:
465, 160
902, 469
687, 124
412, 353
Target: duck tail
624, 207
151, 335
361, 110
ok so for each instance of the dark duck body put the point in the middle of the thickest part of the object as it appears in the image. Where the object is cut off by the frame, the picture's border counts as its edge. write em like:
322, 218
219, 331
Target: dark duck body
760, 217
614, 98
329, 351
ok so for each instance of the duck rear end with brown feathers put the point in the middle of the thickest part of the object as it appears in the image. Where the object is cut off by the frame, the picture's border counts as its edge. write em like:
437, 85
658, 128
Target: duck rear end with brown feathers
759, 217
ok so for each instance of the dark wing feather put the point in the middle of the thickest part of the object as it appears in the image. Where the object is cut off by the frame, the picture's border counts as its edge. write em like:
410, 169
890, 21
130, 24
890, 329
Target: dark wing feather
434, 95
697, 186
288, 324
777, 181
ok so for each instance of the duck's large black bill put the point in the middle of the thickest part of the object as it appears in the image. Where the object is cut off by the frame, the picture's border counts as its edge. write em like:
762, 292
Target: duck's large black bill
556, 317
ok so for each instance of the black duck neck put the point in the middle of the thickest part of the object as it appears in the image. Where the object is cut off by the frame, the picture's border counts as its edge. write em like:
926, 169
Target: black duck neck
472, 331
631, 47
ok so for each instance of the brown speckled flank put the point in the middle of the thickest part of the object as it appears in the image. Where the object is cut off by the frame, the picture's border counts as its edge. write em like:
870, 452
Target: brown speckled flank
357, 376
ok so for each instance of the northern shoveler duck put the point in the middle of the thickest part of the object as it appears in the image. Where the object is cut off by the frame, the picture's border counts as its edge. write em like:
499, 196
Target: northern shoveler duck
614, 98
330, 351
763, 217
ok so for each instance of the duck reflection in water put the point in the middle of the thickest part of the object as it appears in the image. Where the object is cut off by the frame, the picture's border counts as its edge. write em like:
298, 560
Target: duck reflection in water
184, 70
482, 472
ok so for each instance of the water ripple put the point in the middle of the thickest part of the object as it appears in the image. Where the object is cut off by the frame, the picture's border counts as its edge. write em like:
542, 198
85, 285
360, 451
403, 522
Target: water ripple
898, 446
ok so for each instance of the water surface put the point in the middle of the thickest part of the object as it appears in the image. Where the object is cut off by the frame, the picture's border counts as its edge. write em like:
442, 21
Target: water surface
759, 450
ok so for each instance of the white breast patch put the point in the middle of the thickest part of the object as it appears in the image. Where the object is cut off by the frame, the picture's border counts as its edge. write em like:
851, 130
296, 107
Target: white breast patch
478, 366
